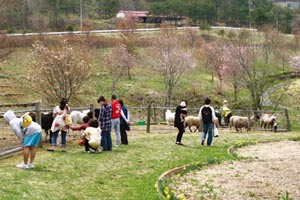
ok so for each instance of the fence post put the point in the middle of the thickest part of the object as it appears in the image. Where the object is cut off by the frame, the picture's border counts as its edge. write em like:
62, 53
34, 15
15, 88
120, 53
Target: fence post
249, 120
92, 109
148, 118
39, 120
154, 114
288, 124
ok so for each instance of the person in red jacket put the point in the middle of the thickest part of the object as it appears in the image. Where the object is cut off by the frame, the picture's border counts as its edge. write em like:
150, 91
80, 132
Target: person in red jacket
115, 117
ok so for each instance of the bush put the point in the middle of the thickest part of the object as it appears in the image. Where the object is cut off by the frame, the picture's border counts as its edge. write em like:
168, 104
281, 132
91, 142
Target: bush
10, 30
70, 27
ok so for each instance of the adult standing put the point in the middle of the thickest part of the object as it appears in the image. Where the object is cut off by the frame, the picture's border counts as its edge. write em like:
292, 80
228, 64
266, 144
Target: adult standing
124, 123
105, 123
115, 117
208, 118
225, 112
180, 114
59, 124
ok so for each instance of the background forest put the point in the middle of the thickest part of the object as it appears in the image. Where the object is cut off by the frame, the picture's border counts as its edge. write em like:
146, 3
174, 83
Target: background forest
59, 15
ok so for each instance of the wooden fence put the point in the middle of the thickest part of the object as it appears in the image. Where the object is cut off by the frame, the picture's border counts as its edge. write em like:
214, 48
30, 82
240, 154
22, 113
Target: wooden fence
142, 119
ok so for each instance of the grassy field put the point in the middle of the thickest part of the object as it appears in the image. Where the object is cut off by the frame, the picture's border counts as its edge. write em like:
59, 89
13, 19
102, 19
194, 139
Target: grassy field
128, 172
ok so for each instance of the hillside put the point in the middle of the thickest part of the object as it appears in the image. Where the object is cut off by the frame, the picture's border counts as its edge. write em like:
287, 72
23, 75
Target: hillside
144, 88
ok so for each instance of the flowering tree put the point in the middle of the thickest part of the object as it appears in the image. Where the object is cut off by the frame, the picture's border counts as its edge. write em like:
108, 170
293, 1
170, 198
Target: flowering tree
170, 59
254, 69
59, 71
230, 70
295, 63
214, 58
119, 61
128, 36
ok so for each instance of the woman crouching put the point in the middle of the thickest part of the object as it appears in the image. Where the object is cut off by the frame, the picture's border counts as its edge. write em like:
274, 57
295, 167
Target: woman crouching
92, 136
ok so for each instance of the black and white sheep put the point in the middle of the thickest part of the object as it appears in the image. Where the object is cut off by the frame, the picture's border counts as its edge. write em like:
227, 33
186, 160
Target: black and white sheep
268, 121
77, 116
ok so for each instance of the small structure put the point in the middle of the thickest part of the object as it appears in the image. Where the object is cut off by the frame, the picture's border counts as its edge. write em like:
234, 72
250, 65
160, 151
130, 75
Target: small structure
288, 4
145, 17
141, 15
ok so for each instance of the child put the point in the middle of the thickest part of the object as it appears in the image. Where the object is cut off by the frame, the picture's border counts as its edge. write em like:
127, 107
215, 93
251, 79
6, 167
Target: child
83, 126
92, 136
29, 134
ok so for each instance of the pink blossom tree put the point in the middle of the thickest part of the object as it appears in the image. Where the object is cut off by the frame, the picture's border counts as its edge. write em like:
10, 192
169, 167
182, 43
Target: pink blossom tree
254, 69
214, 58
119, 61
59, 71
230, 70
128, 36
170, 59
295, 63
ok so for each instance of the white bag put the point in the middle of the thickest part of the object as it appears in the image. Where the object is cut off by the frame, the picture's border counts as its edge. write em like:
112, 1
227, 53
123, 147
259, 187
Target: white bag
216, 132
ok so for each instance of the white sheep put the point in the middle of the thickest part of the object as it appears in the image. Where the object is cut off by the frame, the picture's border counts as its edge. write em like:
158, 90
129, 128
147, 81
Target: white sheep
190, 121
77, 116
170, 117
239, 122
268, 121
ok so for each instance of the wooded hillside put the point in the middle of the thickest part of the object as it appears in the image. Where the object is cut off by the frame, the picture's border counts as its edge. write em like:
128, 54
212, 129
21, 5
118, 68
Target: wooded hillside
57, 15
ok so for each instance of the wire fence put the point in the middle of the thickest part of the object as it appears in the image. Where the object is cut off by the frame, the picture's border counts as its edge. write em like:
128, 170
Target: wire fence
142, 119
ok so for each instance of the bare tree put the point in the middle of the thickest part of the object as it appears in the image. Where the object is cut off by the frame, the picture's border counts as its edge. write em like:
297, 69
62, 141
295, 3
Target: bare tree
171, 60
59, 71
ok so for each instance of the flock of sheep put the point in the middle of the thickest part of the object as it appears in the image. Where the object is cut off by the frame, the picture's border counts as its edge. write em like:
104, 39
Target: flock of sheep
267, 121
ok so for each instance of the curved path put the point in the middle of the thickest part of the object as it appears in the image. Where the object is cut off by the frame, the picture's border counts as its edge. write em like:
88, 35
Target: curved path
271, 170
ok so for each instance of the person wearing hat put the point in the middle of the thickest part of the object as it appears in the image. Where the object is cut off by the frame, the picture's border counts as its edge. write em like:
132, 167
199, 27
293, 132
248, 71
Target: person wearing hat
180, 114
225, 113
29, 133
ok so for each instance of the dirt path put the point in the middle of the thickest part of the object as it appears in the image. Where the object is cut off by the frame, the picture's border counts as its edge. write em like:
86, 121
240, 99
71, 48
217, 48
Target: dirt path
271, 170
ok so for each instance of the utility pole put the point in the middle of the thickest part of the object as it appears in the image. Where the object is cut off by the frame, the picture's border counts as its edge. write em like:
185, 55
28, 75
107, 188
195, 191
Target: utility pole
81, 15
250, 10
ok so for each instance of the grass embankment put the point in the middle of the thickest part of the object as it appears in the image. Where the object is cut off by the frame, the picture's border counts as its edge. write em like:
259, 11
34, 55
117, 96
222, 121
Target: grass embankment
128, 172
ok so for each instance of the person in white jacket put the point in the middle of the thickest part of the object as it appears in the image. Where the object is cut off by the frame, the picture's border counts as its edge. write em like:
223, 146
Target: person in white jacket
29, 134
92, 136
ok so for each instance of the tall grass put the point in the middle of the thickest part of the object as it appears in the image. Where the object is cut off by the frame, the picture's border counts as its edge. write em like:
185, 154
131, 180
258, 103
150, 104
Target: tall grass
128, 172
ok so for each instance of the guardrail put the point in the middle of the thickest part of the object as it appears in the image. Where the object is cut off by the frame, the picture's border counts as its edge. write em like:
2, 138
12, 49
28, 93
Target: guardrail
125, 30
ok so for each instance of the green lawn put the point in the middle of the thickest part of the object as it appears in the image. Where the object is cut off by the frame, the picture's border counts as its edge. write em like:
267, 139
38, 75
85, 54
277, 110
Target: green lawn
128, 172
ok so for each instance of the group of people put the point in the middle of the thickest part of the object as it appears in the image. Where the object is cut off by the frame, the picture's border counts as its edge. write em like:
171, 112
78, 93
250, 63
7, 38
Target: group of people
96, 132
113, 116
206, 115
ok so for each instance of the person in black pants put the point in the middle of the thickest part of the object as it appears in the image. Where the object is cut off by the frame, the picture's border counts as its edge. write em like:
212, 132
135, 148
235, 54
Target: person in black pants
180, 114
124, 123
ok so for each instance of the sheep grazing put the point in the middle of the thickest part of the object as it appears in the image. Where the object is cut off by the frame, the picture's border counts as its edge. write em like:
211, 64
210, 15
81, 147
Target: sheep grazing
191, 121
239, 122
231, 121
170, 117
268, 121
